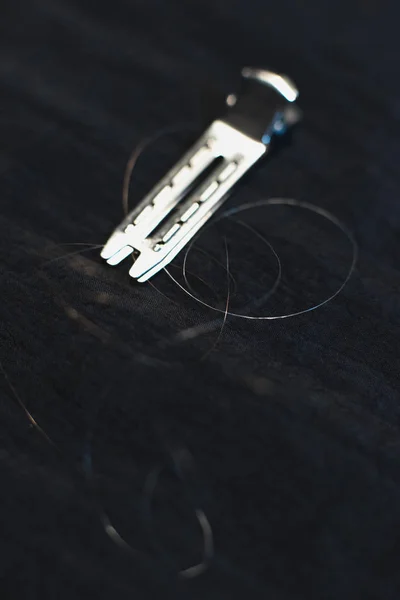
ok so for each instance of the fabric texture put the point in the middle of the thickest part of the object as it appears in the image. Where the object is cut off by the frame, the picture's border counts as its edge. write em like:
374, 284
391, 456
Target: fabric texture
281, 437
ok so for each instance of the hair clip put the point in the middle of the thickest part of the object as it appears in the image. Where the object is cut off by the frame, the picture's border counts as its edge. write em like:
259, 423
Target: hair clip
190, 193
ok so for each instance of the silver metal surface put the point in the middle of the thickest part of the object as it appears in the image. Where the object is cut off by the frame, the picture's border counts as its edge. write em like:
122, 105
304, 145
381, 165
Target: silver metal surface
176, 208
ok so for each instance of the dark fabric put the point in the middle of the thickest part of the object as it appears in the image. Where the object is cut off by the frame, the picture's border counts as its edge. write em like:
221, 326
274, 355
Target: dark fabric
285, 432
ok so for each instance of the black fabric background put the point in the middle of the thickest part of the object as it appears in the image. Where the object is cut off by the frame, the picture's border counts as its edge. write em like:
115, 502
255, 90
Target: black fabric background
287, 432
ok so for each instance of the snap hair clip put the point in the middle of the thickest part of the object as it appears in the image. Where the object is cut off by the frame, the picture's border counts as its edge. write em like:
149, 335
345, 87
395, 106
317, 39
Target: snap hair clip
169, 216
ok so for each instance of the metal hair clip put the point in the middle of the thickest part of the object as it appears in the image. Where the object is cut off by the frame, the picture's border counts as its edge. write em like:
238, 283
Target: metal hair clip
190, 193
